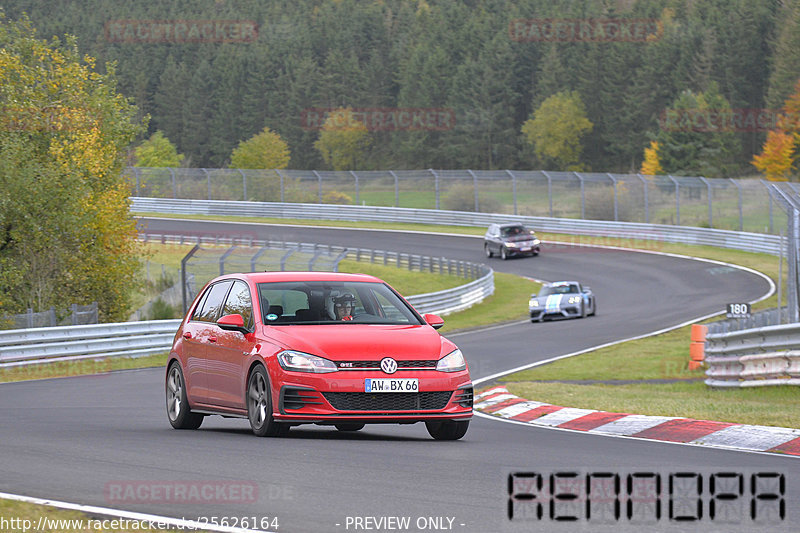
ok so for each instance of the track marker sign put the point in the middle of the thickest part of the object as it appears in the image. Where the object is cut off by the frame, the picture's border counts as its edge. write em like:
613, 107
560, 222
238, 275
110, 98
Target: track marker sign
738, 310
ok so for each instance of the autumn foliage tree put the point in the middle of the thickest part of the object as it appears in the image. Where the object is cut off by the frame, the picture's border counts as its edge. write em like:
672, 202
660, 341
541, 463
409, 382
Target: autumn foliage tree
779, 155
556, 129
157, 151
66, 235
264, 150
651, 166
343, 140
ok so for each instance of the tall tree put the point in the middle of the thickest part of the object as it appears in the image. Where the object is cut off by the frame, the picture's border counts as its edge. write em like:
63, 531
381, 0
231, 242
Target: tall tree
265, 150
556, 128
66, 235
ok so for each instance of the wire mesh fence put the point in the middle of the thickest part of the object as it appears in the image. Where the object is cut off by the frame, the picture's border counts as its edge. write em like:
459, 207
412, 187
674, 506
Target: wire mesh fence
734, 204
72, 316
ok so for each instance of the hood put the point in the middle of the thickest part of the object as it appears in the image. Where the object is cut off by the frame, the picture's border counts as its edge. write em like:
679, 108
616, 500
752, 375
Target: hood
519, 238
348, 342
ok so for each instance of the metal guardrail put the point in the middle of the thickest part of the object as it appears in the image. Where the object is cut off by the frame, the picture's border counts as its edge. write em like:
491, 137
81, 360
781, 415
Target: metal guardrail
737, 240
754, 357
22, 347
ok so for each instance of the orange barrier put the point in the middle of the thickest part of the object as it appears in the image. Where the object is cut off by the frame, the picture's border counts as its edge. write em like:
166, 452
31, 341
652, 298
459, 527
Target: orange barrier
698, 346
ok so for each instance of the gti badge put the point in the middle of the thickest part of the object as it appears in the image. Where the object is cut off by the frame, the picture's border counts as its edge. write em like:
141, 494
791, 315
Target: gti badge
388, 365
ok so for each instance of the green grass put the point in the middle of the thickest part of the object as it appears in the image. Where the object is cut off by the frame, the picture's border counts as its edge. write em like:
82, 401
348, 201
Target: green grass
770, 406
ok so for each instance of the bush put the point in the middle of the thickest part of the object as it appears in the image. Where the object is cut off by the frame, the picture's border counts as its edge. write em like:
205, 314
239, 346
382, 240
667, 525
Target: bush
600, 204
336, 197
161, 310
462, 198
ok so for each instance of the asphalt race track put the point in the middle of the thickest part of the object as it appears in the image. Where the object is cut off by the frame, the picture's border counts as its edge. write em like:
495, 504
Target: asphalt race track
105, 440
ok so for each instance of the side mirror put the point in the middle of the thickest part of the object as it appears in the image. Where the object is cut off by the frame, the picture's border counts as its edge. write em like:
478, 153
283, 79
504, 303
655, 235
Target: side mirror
533, 295
587, 289
232, 323
434, 321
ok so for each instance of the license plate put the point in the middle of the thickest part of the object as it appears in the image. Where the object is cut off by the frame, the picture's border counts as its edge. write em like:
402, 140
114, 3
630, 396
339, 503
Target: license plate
527, 249
391, 385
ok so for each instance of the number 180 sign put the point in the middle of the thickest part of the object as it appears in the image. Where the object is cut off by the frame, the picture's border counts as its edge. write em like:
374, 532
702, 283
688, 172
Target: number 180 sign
738, 311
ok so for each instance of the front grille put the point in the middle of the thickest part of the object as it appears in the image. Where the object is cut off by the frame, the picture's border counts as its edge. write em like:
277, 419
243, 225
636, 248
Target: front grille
464, 397
417, 363
388, 401
296, 398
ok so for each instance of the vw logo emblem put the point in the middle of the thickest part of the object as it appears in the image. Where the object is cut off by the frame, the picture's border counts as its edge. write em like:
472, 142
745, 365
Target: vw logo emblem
388, 365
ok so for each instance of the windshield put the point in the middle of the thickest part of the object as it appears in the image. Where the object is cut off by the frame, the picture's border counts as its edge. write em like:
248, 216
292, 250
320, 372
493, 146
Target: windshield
511, 231
324, 302
559, 289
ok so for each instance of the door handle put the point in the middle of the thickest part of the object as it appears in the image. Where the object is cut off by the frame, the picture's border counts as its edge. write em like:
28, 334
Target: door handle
212, 339
187, 334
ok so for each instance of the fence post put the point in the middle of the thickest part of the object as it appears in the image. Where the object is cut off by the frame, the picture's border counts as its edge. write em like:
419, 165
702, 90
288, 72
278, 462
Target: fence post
549, 191
174, 183
646, 204
185, 259
319, 180
583, 196
435, 185
244, 184
475, 189
355, 176
396, 189
513, 188
208, 182
677, 200
614, 181
282, 185
741, 214
710, 210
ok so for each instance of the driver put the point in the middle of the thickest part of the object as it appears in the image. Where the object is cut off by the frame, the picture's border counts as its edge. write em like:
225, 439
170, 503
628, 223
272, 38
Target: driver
340, 306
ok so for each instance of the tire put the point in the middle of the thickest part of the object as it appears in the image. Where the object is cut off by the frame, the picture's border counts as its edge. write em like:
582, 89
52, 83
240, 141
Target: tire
503, 253
259, 406
448, 430
594, 307
583, 310
178, 412
349, 426
487, 251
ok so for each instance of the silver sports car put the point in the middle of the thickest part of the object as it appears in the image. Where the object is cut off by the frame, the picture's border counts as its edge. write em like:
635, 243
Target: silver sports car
562, 299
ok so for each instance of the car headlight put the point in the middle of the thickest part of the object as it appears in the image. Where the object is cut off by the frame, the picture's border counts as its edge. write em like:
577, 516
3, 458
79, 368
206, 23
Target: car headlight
452, 362
574, 299
303, 362
533, 303
536, 241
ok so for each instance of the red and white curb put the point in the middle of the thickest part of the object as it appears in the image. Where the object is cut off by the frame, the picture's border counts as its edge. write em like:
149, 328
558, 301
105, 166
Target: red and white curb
497, 401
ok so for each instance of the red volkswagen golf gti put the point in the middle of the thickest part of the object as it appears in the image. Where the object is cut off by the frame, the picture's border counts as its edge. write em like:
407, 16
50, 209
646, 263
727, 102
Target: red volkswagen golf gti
289, 348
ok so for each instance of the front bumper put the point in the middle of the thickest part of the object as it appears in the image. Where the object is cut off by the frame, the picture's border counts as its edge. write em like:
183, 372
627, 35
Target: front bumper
340, 397
541, 313
523, 249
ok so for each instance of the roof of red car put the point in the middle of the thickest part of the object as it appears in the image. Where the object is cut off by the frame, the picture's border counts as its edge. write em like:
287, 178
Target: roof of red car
263, 277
